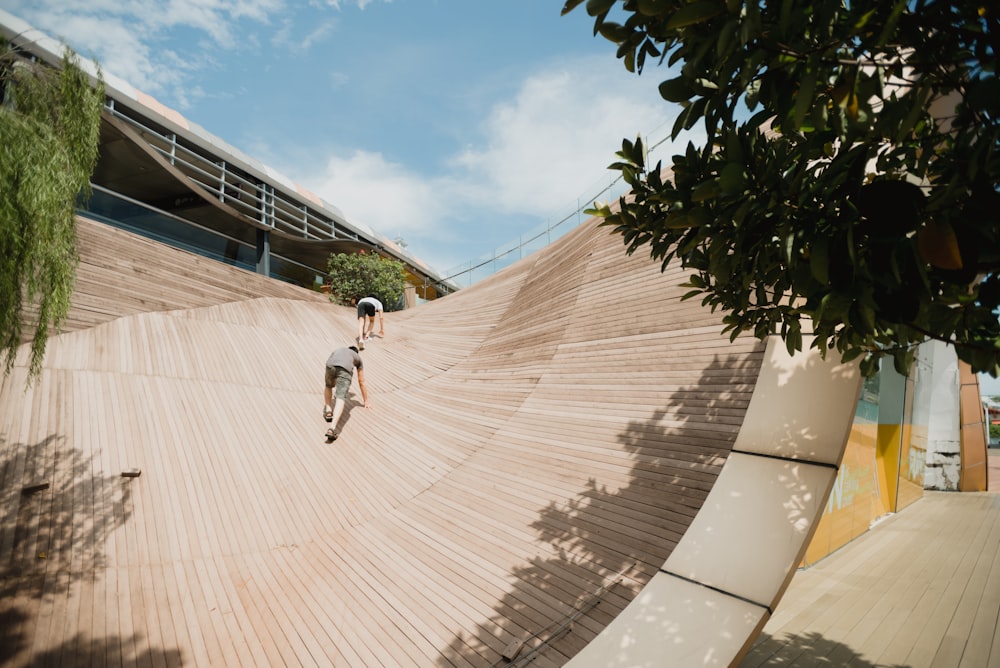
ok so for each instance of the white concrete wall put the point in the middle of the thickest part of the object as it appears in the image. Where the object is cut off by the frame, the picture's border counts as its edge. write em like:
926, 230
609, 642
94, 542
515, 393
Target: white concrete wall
936, 394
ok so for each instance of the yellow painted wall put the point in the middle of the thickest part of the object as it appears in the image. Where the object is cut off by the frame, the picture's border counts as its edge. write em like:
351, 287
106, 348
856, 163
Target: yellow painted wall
882, 472
888, 464
912, 458
855, 499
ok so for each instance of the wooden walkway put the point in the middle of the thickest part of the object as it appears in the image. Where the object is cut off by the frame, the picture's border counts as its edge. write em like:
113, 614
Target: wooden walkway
537, 446
921, 589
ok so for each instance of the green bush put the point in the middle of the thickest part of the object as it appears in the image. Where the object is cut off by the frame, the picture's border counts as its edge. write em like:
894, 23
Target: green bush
357, 275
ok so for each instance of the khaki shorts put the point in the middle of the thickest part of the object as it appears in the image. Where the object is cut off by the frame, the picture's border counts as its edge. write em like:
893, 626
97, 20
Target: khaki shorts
339, 378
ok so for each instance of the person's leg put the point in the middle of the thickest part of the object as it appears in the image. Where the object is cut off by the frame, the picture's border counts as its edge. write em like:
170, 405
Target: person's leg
381, 324
329, 380
362, 312
370, 313
338, 409
343, 385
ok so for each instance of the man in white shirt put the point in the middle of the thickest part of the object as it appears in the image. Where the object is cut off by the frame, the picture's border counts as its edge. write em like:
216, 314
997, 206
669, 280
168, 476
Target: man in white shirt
368, 307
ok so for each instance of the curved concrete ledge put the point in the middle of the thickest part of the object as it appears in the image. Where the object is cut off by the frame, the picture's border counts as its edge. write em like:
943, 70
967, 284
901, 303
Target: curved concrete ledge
722, 582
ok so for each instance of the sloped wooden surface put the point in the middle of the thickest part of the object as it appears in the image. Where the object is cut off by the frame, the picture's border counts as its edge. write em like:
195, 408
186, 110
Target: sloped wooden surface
121, 273
531, 439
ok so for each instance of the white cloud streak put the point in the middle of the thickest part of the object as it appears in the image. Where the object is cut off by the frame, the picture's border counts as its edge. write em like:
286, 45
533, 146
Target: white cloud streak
123, 34
537, 157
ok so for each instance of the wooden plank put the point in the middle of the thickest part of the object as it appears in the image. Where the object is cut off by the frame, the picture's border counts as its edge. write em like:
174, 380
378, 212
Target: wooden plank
908, 592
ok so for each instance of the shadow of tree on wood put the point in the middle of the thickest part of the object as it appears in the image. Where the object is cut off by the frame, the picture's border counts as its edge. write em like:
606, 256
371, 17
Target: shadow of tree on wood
608, 541
58, 514
70, 515
808, 649
112, 650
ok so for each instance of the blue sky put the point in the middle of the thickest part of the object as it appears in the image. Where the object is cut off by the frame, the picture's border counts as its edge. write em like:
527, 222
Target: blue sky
458, 125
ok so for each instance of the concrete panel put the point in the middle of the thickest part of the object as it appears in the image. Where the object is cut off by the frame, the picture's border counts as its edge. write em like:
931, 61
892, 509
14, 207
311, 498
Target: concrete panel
673, 622
749, 536
802, 407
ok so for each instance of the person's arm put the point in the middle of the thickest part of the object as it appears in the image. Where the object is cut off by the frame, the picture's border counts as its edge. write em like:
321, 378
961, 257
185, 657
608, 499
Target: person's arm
364, 388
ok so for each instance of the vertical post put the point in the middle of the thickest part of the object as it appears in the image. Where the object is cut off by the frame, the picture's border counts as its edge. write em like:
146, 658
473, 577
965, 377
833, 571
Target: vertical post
264, 252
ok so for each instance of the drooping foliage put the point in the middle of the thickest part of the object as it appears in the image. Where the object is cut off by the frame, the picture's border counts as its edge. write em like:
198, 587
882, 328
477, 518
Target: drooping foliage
357, 275
49, 131
850, 173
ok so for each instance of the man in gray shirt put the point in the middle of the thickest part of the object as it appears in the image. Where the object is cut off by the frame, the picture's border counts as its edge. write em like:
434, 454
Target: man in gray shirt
340, 368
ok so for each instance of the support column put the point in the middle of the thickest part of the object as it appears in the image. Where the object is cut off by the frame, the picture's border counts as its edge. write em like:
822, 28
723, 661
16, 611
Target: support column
264, 252
944, 461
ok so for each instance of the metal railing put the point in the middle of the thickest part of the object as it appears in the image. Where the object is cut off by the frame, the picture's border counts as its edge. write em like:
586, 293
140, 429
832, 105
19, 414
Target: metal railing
128, 214
475, 270
234, 187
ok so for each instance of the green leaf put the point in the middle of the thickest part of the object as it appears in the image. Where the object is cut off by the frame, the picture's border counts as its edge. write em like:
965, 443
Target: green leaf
804, 98
732, 178
705, 190
696, 12
902, 358
599, 7
676, 90
653, 7
851, 354
727, 37
678, 221
617, 33
793, 342
785, 18
819, 259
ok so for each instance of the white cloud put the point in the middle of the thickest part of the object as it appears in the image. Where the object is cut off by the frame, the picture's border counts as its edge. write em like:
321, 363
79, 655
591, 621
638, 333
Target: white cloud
557, 136
545, 151
337, 4
376, 192
286, 37
123, 35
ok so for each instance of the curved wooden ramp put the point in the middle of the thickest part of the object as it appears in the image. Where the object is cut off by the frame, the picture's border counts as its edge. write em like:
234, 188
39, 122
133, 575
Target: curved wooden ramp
539, 477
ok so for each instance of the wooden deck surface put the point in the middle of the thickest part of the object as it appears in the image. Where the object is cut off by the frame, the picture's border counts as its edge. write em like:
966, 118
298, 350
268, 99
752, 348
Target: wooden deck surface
538, 436
543, 436
921, 589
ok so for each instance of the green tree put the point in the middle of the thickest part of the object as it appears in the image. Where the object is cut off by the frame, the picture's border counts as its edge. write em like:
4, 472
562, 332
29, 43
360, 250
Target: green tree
850, 171
356, 275
49, 130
